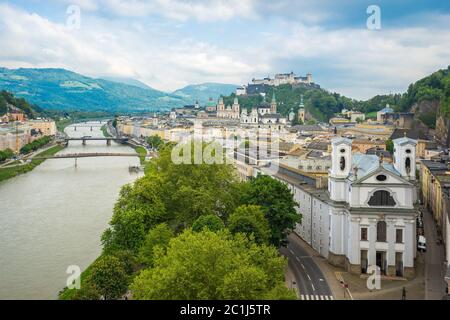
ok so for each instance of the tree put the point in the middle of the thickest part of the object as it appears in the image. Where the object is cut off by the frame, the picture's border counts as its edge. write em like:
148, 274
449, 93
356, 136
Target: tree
212, 265
159, 236
190, 190
138, 209
155, 141
211, 222
390, 146
278, 202
86, 292
109, 277
250, 220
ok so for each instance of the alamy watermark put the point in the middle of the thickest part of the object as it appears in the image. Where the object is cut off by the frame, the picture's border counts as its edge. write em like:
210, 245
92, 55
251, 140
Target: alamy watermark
73, 21
374, 19
253, 146
74, 279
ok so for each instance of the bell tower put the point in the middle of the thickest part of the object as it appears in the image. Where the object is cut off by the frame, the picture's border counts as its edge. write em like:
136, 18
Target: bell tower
341, 162
236, 108
405, 157
301, 111
273, 105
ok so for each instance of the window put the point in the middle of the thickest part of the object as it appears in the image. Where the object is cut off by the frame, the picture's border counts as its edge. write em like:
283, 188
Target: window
408, 165
381, 198
398, 235
381, 231
364, 234
381, 177
342, 162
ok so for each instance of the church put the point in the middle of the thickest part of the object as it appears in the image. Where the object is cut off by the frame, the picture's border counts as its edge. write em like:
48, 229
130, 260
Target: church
265, 115
367, 215
228, 112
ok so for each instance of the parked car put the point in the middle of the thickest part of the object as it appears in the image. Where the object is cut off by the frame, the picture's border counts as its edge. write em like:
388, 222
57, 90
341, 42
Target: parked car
422, 244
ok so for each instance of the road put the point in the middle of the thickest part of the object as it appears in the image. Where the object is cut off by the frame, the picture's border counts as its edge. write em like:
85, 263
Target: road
434, 261
310, 280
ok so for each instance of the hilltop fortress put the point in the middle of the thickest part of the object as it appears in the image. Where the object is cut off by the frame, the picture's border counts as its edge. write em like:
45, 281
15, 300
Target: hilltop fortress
258, 86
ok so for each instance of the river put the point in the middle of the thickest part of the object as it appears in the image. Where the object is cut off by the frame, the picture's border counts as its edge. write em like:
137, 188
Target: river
53, 217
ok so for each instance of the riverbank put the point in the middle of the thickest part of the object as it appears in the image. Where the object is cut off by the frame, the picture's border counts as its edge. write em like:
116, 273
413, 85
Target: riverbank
105, 132
11, 172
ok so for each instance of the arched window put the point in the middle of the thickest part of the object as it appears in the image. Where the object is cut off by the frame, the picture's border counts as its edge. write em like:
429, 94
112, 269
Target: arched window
381, 231
342, 163
408, 165
381, 198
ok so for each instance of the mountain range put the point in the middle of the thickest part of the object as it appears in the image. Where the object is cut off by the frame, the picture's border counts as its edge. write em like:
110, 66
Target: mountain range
60, 89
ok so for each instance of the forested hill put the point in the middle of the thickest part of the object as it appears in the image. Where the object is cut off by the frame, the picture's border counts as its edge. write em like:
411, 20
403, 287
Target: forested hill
319, 103
7, 98
322, 104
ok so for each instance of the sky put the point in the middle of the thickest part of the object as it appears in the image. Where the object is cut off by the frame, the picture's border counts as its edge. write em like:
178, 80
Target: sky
168, 44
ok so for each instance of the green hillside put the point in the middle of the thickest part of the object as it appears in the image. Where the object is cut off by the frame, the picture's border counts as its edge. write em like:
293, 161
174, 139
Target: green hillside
7, 98
323, 105
59, 89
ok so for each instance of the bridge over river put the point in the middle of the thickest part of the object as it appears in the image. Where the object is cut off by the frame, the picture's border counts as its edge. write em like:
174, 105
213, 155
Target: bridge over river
108, 140
86, 155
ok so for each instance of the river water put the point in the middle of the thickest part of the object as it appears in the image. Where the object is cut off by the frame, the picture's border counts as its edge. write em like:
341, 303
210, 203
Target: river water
52, 217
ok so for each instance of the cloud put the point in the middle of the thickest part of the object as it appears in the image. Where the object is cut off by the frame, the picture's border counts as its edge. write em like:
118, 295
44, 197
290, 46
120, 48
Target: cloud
166, 55
107, 48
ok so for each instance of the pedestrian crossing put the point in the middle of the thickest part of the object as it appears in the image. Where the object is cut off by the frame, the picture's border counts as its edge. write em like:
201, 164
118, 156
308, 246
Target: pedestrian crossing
315, 297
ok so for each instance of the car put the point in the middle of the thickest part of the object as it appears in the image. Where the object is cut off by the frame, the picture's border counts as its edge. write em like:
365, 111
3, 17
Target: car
422, 244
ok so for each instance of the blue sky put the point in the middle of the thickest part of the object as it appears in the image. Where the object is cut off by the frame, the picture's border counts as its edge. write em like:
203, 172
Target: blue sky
171, 43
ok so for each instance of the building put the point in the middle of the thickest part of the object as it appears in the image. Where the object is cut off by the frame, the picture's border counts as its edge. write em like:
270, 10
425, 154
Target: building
284, 78
228, 112
366, 217
241, 91
13, 138
435, 193
43, 126
356, 116
363, 145
210, 106
382, 112
302, 112
399, 120
264, 116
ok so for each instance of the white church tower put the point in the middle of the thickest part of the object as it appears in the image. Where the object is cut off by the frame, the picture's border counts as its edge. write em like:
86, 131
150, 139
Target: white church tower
405, 157
341, 162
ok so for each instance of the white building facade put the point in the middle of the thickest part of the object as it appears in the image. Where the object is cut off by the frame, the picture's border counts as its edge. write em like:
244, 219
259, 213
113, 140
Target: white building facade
367, 217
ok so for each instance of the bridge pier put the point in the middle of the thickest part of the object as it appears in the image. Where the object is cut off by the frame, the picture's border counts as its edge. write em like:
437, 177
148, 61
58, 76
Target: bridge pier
84, 142
108, 143
91, 129
76, 162
75, 129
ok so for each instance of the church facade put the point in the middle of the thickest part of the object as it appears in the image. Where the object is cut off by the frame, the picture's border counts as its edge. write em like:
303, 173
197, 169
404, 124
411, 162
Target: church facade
265, 115
367, 215
228, 112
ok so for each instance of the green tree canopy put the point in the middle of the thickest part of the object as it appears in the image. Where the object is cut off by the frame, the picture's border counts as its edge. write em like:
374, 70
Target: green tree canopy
250, 220
211, 221
159, 236
109, 277
210, 265
279, 205
155, 141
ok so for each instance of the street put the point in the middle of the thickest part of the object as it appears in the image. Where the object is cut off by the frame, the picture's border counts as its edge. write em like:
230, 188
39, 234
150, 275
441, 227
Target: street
309, 279
434, 260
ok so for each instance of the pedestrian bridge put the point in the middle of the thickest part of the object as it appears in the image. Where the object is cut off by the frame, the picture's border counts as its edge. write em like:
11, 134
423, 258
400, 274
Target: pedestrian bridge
108, 140
86, 155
